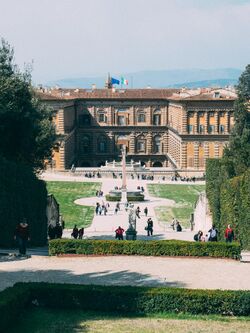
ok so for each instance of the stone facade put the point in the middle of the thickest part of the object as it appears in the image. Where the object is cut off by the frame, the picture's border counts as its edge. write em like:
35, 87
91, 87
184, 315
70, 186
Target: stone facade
160, 128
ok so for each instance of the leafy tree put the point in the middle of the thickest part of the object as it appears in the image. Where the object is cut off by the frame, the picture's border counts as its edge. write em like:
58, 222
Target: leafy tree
237, 155
26, 129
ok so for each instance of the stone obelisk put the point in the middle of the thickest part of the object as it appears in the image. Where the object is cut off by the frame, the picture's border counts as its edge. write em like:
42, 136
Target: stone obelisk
124, 180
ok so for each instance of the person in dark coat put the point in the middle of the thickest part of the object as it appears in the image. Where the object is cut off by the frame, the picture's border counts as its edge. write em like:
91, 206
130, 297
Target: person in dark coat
80, 233
22, 235
75, 232
150, 227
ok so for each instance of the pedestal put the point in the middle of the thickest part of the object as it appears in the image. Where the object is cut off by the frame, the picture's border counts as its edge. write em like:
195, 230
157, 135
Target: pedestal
131, 234
124, 198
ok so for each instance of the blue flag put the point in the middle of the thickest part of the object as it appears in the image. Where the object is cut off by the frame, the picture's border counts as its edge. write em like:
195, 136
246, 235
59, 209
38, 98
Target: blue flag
114, 81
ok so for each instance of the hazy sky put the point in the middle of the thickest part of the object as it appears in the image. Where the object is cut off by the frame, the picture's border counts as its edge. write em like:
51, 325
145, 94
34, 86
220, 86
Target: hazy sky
73, 38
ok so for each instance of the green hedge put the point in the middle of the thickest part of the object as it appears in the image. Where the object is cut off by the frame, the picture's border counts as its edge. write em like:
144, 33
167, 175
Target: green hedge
144, 248
122, 299
22, 194
129, 198
229, 201
13, 302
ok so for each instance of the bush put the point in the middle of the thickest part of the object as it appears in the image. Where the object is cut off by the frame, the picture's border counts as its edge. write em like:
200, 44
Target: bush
126, 299
130, 198
144, 248
13, 302
21, 195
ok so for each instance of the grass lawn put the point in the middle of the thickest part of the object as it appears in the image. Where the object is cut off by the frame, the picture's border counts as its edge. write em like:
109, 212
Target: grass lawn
42, 320
66, 193
184, 196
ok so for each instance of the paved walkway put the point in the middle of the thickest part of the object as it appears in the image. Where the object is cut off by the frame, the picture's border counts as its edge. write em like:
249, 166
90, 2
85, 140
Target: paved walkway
125, 270
103, 227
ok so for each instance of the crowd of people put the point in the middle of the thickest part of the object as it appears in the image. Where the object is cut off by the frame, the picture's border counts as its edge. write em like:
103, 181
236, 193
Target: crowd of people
212, 235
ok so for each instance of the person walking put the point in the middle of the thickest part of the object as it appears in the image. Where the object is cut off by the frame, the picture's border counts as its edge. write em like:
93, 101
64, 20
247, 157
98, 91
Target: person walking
80, 233
22, 235
150, 227
229, 234
137, 212
75, 232
178, 226
146, 211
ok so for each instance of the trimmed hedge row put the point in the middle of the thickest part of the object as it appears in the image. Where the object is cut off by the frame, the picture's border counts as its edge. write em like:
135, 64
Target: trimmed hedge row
124, 299
144, 248
229, 201
129, 198
13, 301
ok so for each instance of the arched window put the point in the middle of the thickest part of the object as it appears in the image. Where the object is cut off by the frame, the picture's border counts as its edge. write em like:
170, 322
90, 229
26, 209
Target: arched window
141, 144
157, 117
157, 144
141, 117
102, 144
102, 118
86, 144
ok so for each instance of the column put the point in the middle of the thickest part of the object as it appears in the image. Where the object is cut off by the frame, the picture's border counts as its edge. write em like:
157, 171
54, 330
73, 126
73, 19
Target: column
216, 150
109, 116
111, 143
183, 155
216, 122
60, 125
206, 122
62, 156
206, 152
184, 121
132, 143
149, 143
196, 155
165, 144
196, 122
227, 122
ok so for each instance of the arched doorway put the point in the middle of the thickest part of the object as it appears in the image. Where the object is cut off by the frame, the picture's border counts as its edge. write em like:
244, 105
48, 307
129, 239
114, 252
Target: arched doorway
85, 164
102, 163
157, 164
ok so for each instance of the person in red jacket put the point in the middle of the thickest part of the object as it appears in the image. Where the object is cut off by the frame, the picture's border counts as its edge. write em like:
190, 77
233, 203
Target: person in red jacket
22, 235
229, 234
119, 233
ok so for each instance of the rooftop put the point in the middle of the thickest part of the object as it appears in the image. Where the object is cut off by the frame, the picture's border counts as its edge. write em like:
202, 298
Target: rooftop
134, 94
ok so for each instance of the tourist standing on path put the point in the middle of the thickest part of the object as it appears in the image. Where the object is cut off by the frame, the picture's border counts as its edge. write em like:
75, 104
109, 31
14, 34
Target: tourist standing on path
75, 232
119, 233
22, 235
137, 212
178, 226
97, 208
229, 234
80, 233
150, 227
213, 234
146, 211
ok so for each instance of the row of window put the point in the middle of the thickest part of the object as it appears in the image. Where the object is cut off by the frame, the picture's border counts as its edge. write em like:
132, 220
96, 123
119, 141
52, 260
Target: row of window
201, 129
122, 120
102, 145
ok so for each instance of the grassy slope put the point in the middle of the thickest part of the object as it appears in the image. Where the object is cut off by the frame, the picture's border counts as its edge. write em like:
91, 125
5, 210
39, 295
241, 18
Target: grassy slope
54, 321
66, 193
184, 196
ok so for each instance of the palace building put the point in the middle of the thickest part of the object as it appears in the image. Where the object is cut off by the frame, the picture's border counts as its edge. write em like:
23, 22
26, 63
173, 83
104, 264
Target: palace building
172, 128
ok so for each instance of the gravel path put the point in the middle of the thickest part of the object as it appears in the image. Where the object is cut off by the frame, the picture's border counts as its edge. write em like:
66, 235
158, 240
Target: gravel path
125, 270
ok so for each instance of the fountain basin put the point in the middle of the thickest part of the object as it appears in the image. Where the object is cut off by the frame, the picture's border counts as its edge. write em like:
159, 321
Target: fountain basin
116, 195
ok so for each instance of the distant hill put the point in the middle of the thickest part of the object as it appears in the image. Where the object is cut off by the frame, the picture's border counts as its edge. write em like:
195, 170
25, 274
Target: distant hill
161, 79
207, 83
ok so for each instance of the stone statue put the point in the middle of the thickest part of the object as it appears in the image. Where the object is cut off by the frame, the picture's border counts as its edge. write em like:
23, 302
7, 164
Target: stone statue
131, 232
